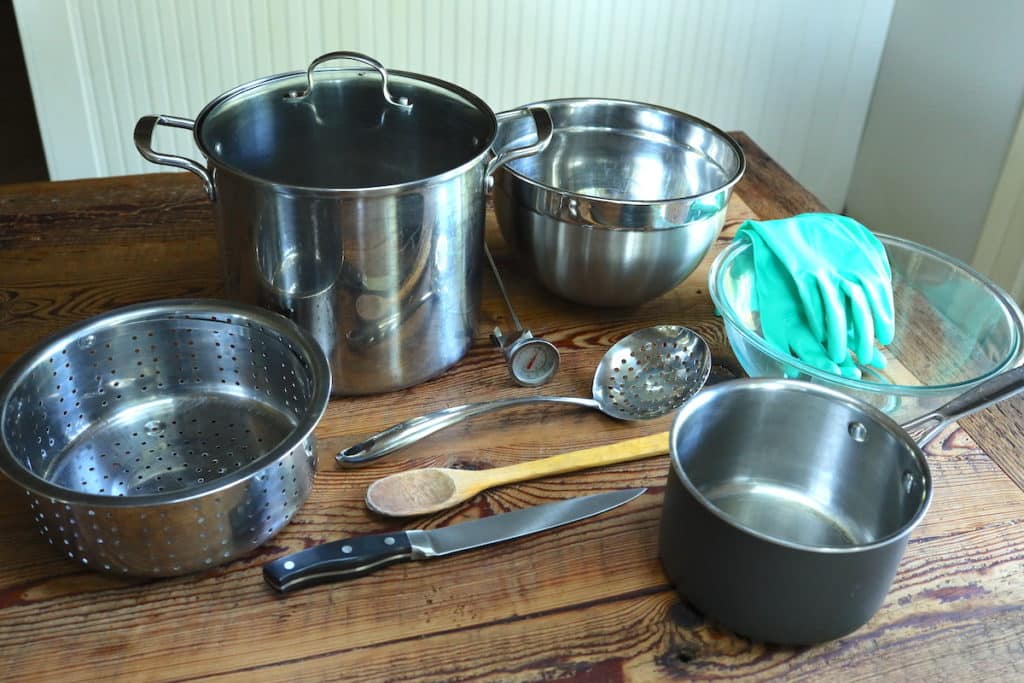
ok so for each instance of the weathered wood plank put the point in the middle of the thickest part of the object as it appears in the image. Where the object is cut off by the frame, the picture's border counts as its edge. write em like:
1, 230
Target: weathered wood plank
938, 615
960, 573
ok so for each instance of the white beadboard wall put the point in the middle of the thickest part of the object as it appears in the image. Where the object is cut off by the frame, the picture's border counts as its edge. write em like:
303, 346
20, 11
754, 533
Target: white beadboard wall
797, 75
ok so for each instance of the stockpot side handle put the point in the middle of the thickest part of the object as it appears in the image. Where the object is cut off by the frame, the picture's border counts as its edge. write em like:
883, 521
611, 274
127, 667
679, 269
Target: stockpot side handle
991, 391
144, 130
401, 102
541, 121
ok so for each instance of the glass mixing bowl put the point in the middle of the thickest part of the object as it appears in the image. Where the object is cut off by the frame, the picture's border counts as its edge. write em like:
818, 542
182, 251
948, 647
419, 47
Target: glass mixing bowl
954, 329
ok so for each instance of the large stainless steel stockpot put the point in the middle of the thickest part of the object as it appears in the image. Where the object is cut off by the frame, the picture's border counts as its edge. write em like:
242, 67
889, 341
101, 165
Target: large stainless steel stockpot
352, 201
623, 204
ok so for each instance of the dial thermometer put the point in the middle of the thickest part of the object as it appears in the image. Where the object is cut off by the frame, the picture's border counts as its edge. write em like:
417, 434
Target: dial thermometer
531, 361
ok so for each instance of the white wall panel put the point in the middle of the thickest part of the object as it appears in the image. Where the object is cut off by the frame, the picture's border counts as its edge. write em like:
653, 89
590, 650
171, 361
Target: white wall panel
949, 97
795, 74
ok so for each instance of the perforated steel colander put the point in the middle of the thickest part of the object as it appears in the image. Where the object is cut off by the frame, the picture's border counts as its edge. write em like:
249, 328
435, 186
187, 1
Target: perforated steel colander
166, 437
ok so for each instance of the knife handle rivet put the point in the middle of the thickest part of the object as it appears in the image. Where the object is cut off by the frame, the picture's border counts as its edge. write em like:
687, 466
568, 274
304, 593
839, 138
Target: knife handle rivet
289, 565
390, 540
346, 549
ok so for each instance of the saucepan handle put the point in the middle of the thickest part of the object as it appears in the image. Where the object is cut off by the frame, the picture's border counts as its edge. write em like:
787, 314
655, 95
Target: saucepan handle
401, 102
144, 130
544, 129
989, 392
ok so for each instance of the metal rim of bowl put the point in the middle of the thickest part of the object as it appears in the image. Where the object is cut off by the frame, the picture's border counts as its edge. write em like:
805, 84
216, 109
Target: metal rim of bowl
772, 384
1010, 309
196, 308
735, 178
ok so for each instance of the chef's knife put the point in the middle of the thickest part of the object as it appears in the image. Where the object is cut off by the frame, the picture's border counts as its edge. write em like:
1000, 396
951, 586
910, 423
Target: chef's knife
353, 557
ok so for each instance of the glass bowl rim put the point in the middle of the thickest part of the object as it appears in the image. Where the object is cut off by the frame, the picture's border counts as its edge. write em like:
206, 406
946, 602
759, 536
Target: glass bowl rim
1009, 307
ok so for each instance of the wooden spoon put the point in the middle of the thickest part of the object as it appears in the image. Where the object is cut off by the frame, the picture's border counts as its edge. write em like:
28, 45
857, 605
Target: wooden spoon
422, 491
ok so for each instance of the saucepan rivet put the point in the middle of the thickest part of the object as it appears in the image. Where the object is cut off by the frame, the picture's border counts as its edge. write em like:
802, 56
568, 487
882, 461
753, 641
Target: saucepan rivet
858, 432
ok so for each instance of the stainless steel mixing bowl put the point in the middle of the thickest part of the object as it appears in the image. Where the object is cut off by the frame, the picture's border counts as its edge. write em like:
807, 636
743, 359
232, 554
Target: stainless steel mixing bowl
165, 437
624, 202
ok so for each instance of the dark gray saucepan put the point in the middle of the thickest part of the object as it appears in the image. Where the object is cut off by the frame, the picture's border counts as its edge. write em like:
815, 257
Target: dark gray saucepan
789, 505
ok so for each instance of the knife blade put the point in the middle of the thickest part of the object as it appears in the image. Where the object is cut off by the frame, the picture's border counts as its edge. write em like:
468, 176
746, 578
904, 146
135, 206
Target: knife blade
360, 555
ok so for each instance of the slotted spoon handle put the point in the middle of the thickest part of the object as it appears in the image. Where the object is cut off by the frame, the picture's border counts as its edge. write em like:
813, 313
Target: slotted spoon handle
411, 431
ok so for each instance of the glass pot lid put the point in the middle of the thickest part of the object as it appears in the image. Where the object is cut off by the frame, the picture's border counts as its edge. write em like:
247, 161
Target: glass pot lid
345, 128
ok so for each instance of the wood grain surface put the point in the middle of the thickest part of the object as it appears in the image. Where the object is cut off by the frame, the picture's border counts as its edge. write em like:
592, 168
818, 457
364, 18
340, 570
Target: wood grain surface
588, 601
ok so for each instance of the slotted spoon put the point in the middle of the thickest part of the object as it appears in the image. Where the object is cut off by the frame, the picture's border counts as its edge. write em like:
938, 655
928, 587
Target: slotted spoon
645, 375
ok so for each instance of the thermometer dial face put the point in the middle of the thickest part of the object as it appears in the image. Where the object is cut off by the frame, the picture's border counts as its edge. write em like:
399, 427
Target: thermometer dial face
532, 361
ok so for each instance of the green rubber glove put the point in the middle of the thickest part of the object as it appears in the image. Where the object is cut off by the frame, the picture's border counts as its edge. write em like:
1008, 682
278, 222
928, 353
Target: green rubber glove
783, 323
841, 277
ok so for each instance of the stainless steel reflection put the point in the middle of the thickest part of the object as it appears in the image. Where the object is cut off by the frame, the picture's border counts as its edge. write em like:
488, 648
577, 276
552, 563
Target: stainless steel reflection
352, 201
387, 284
623, 204
835, 488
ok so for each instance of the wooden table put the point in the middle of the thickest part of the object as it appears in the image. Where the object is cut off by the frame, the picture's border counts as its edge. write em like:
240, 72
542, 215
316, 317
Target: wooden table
588, 601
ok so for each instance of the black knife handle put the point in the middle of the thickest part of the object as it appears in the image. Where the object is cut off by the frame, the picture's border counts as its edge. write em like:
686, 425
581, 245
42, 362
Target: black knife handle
337, 561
